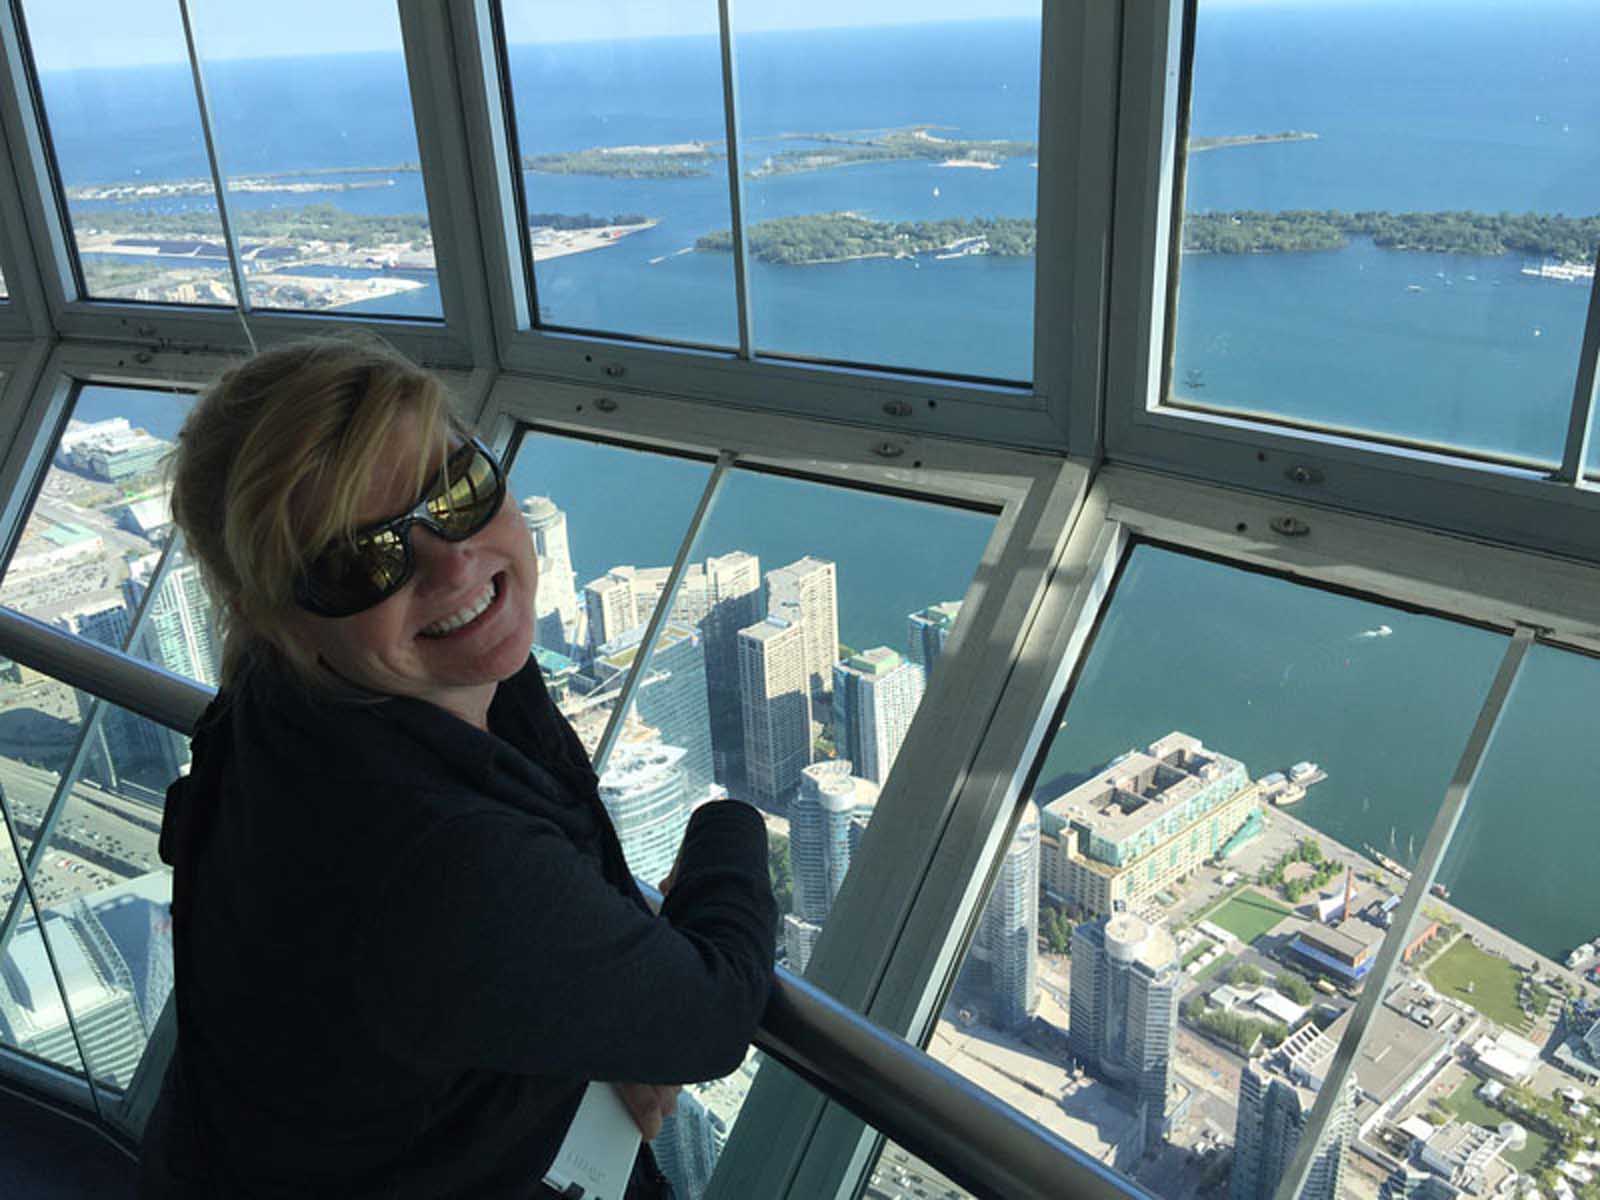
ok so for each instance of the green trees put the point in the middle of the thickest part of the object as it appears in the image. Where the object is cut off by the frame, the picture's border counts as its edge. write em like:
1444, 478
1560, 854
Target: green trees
1247, 231
1057, 929
1294, 987
779, 871
835, 237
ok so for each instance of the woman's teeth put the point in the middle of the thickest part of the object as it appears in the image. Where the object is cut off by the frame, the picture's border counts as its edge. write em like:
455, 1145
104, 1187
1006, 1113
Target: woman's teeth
457, 619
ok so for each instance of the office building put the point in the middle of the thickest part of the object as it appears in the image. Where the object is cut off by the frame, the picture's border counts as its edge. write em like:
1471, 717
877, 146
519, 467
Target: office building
1005, 949
111, 450
693, 1136
644, 791
826, 817
776, 709
1124, 1009
875, 695
928, 631
558, 618
1143, 823
1276, 1095
610, 607
672, 698
121, 741
807, 591
180, 629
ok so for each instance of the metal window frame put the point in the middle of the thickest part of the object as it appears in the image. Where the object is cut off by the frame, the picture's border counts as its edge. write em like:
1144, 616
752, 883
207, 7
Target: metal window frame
1493, 501
459, 340
1069, 293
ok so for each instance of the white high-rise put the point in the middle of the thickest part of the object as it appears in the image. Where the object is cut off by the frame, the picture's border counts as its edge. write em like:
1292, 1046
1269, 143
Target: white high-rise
875, 695
645, 793
776, 703
824, 818
807, 591
556, 610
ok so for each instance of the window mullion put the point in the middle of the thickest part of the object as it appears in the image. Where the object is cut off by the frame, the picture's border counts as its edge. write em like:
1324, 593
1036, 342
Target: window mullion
659, 618
1422, 876
730, 114
1580, 430
219, 184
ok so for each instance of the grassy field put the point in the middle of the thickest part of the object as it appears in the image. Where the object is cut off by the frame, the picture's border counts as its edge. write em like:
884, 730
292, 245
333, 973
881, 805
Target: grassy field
1248, 915
1493, 982
1468, 1107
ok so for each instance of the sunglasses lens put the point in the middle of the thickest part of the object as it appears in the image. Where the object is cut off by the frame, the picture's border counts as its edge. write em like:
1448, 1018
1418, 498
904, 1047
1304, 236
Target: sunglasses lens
467, 494
347, 579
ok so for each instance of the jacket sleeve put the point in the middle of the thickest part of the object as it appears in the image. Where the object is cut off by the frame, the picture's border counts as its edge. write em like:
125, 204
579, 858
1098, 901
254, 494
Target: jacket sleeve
498, 945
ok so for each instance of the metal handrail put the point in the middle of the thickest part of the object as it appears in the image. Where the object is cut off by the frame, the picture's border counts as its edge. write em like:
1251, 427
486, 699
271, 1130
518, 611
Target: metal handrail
975, 1139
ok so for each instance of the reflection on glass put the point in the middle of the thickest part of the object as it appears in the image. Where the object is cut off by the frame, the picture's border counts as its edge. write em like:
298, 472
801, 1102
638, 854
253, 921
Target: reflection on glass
119, 102
796, 655
624, 166
35, 1017
4, 294
324, 183
606, 524
104, 890
1388, 241
101, 517
900, 1175
891, 185
1198, 886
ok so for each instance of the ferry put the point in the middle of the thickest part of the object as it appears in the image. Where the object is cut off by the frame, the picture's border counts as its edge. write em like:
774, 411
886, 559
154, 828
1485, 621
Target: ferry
1306, 773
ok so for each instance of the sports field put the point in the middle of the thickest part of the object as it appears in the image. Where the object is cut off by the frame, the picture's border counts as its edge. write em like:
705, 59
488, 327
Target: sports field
1486, 982
1247, 915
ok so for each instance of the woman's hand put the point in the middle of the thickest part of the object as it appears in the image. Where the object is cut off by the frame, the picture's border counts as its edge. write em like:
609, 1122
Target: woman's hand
650, 1104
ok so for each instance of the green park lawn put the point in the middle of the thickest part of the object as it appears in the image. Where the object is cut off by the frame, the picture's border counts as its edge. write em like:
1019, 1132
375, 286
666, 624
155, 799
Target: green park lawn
1247, 915
1493, 982
1465, 1105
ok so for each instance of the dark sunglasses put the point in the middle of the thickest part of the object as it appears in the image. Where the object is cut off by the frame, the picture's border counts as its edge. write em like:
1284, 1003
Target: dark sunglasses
350, 577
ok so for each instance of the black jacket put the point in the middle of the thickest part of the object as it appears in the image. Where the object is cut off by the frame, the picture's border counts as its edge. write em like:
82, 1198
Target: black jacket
402, 946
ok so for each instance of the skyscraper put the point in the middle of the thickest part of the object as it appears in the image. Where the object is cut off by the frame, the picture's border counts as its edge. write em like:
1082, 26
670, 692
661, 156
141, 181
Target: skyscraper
823, 823
610, 606
556, 611
875, 695
1124, 1008
1275, 1099
122, 740
733, 602
927, 632
672, 698
1007, 939
643, 789
180, 630
807, 591
776, 709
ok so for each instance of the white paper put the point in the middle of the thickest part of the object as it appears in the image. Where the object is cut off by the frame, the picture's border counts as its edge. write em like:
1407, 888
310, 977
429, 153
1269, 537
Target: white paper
598, 1152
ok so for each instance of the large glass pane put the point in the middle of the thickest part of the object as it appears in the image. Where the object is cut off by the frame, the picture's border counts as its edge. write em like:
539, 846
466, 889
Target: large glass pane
33, 1018
324, 182
601, 569
890, 157
619, 116
1197, 887
120, 105
1514, 968
799, 651
101, 516
1389, 222
105, 891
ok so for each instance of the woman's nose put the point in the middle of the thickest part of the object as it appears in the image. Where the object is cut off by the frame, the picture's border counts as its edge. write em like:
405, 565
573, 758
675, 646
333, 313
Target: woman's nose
442, 565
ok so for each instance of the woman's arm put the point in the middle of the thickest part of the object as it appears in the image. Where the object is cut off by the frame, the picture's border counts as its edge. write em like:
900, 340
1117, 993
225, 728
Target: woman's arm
497, 944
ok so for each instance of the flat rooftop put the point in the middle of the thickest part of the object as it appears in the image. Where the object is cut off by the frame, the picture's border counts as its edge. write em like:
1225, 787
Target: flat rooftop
1141, 787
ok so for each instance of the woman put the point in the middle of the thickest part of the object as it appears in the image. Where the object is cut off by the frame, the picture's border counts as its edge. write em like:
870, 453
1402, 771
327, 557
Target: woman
405, 936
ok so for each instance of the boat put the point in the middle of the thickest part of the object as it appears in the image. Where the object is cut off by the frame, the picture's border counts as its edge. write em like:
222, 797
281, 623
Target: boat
1413, 287
1306, 773
1580, 956
1387, 863
1439, 890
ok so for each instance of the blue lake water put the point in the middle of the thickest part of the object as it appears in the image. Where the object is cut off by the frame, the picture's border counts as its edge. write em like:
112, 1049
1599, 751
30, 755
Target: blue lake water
1418, 107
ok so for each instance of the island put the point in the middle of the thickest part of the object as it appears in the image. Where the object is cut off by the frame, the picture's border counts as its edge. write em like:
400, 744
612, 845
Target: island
1542, 235
306, 179
678, 160
914, 143
844, 236
1197, 144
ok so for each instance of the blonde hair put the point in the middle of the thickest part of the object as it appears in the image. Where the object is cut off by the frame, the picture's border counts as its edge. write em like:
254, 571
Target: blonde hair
272, 465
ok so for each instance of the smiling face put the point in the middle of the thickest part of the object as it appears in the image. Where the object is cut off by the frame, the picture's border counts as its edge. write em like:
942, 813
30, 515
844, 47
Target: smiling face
459, 625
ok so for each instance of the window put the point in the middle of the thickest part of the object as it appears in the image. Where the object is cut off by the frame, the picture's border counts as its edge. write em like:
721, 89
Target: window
124, 127
1382, 234
101, 518
623, 166
888, 176
89, 836
890, 187
1152, 997
320, 154
604, 519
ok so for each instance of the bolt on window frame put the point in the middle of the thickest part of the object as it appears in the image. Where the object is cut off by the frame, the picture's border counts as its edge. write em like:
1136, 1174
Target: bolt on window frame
1551, 511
